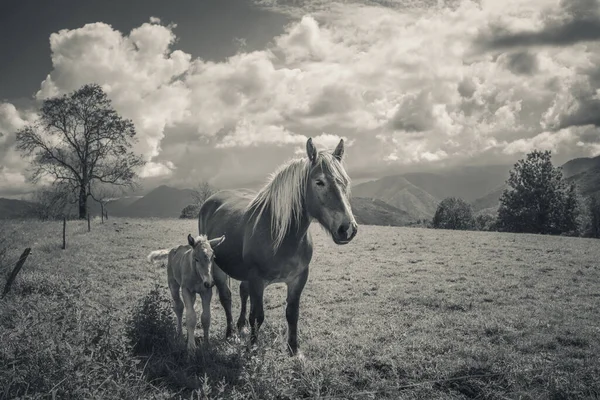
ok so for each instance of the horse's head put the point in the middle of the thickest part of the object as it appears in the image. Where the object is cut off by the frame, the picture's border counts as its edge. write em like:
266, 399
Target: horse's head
327, 193
203, 257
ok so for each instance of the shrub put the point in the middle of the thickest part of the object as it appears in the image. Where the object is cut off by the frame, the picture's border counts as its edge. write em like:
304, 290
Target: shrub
151, 327
190, 211
453, 213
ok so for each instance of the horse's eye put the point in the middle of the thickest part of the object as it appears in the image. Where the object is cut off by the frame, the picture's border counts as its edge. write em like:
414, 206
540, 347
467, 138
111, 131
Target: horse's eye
320, 183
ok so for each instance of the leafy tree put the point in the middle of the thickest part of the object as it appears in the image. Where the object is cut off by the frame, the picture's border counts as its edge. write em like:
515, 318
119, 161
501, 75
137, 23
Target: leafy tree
190, 211
538, 199
79, 140
593, 217
453, 213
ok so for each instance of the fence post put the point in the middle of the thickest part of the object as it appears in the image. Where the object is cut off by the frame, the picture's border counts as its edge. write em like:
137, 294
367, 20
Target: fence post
16, 270
64, 246
88, 218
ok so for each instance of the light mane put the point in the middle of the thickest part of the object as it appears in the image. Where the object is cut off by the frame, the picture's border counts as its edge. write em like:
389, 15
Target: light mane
284, 192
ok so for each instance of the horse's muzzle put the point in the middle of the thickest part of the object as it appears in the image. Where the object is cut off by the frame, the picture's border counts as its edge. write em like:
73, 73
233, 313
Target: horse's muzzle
345, 233
210, 284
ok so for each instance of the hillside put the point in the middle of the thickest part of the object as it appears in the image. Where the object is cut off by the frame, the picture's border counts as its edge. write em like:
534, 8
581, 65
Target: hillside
468, 183
10, 208
376, 212
588, 181
490, 201
579, 165
485, 315
397, 191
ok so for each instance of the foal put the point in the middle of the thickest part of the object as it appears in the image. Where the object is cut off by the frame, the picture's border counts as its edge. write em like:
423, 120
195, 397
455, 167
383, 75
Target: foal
190, 267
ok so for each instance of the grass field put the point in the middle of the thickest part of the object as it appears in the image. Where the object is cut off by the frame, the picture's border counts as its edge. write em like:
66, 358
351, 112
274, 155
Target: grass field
399, 313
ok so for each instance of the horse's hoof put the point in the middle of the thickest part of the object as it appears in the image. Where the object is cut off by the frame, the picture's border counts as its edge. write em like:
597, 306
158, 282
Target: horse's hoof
299, 356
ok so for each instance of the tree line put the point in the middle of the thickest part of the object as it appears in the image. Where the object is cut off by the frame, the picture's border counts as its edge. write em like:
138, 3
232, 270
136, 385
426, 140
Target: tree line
538, 199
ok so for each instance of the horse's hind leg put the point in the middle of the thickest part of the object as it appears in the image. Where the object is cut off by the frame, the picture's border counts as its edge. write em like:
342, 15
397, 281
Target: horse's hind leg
177, 303
244, 294
224, 297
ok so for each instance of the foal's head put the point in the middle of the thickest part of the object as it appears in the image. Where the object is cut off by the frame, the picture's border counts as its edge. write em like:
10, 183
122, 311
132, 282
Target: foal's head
203, 257
328, 191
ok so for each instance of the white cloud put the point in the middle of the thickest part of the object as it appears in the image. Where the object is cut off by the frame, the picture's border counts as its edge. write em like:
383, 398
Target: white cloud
403, 87
154, 169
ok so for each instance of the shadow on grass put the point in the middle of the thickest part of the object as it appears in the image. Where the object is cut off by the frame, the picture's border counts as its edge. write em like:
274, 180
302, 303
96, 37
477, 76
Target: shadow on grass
154, 340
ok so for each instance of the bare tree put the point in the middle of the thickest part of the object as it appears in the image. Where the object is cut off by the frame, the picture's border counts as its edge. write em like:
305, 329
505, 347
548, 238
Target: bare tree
202, 192
199, 195
80, 140
53, 202
103, 195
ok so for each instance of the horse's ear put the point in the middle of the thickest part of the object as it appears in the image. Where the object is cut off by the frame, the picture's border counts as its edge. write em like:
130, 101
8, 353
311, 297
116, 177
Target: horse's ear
339, 150
311, 150
191, 240
216, 241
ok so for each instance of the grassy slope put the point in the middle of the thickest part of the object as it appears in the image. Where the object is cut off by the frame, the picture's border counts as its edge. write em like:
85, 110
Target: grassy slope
491, 315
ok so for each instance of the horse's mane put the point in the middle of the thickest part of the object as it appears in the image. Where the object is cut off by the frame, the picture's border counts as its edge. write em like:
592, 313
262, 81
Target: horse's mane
283, 194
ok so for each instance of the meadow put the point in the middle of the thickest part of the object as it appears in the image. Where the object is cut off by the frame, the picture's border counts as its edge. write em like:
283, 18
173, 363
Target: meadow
400, 313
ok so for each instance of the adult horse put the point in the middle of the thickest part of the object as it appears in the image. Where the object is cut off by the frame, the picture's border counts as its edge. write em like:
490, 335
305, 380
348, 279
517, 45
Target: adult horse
268, 240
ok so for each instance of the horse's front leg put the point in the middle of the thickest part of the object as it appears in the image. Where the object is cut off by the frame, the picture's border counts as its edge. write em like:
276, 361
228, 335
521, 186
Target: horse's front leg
244, 293
257, 314
206, 296
294, 291
189, 298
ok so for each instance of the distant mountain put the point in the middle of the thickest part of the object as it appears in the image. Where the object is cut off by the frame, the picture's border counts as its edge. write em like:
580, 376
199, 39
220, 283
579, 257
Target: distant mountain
397, 191
162, 202
11, 208
376, 212
579, 165
490, 201
587, 181
469, 183
117, 207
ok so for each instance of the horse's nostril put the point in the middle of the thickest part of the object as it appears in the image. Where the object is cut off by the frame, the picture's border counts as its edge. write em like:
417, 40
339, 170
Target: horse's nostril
343, 229
207, 285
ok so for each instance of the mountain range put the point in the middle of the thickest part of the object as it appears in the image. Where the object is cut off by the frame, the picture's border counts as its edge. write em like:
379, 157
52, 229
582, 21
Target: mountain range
391, 200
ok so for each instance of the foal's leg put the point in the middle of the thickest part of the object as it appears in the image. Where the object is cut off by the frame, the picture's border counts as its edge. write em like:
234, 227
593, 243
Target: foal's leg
177, 303
189, 298
224, 297
206, 296
257, 314
244, 293
294, 290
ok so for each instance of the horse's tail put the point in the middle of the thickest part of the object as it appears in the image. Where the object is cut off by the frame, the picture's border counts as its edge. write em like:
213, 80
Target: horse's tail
158, 255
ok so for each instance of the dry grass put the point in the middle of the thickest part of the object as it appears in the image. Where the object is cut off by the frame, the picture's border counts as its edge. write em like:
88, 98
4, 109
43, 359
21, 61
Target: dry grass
399, 313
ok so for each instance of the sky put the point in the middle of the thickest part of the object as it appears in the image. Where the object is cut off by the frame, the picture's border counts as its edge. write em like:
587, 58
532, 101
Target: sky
227, 90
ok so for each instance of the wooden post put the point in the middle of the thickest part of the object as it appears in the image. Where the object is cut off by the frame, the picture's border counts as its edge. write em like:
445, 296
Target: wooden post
102, 212
88, 218
16, 270
64, 233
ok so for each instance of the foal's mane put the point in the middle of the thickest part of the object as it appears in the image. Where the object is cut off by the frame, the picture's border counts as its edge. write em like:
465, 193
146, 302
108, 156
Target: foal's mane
284, 192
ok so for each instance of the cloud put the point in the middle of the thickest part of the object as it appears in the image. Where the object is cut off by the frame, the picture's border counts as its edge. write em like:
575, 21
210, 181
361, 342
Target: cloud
520, 62
403, 87
573, 22
12, 165
139, 72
